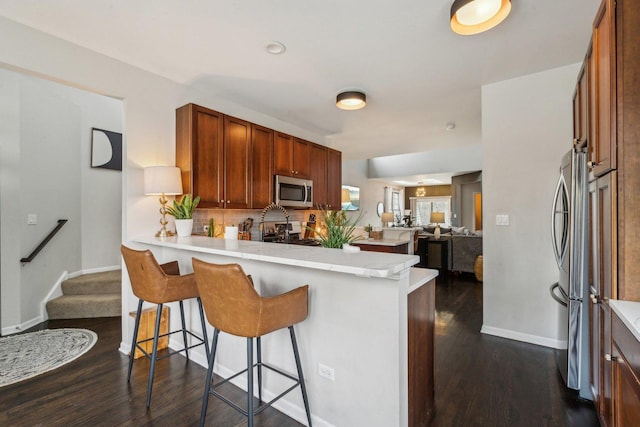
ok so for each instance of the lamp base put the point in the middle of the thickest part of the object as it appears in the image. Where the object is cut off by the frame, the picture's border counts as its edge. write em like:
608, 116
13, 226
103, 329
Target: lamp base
165, 233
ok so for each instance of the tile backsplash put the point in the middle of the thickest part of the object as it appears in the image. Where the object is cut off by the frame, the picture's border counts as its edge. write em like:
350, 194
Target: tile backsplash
226, 217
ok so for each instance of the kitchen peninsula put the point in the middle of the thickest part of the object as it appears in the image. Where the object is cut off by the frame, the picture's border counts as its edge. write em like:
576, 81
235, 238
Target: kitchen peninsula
370, 324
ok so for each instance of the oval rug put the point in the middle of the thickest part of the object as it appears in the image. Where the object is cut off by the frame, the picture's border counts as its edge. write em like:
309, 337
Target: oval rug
24, 356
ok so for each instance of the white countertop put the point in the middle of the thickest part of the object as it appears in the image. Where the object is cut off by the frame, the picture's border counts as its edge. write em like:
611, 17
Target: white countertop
368, 264
629, 313
382, 242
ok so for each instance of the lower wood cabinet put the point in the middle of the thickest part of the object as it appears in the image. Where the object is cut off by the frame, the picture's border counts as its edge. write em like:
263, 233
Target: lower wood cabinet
625, 360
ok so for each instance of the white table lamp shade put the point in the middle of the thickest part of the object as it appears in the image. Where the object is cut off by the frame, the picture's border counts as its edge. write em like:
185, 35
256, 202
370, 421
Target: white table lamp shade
162, 180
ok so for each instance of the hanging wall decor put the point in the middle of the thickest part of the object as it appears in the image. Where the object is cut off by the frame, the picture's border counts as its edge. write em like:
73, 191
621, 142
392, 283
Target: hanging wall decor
106, 149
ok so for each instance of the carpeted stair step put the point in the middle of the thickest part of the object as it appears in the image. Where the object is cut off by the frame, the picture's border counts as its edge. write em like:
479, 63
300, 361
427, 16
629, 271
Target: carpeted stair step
108, 282
85, 306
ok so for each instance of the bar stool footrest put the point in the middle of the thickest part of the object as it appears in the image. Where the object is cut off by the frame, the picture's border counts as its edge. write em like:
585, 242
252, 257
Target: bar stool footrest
261, 407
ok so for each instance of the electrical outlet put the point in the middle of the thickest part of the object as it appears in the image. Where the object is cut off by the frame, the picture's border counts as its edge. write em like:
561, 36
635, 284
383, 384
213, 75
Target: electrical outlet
326, 372
32, 219
205, 228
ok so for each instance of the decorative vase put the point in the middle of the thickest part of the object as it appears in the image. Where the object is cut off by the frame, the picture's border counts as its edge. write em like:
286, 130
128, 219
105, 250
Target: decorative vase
436, 232
184, 227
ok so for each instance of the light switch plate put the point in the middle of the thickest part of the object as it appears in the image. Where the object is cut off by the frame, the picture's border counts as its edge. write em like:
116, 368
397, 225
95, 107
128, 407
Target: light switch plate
502, 219
32, 219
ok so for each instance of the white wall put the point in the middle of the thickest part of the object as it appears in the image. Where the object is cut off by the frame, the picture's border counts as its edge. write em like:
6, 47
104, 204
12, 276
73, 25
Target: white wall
526, 128
51, 177
354, 172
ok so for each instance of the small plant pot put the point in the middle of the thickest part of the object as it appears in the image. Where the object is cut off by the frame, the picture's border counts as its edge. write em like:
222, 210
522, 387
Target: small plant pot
184, 227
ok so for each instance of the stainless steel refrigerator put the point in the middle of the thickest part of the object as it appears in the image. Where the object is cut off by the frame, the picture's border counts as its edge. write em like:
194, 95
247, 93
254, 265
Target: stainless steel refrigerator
569, 231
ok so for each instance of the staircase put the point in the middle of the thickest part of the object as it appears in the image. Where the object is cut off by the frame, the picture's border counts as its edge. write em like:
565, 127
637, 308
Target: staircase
89, 295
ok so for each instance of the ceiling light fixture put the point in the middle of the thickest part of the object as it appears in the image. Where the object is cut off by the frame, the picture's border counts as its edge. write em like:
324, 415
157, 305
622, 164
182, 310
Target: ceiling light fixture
275, 48
352, 100
476, 16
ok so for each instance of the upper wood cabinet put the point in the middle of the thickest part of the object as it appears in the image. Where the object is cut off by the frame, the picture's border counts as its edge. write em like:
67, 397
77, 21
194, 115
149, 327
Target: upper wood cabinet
230, 163
603, 78
237, 152
291, 156
199, 153
319, 174
334, 178
261, 166
581, 108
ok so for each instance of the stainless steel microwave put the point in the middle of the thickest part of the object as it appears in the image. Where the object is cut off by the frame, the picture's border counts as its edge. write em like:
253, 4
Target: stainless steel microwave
293, 192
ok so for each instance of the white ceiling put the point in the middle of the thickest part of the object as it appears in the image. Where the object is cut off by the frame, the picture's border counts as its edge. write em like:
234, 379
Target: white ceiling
418, 75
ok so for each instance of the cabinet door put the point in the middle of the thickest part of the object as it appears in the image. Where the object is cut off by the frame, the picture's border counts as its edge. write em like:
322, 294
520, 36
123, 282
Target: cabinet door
581, 107
626, 368
199, 153
334, 179
319, 174
261, 166
607, 242
605, 409
604, 74
237, 149
283, 154
301, 158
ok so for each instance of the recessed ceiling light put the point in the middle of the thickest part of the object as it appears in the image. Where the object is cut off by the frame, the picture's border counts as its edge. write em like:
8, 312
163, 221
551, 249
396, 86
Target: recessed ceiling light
351, 100
275, 48
451, 126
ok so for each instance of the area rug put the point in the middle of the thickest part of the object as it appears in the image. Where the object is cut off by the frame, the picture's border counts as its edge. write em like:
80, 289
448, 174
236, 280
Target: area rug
24, 356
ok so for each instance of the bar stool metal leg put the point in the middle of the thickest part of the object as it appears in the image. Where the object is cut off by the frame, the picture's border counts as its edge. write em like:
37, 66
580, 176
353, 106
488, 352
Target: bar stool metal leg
184, 331
207, 386
259, 351
204, 328
154, 354
300, 375
135, 339
250, 381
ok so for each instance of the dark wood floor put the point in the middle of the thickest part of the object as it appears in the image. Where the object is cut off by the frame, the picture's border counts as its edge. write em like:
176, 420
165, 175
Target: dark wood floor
480, 381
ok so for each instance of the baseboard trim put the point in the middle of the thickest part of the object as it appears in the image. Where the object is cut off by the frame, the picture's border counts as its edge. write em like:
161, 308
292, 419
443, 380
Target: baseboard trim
93, 270
519, 336
22, 327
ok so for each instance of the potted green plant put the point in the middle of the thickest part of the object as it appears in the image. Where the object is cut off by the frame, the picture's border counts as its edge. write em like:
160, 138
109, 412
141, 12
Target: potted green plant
338, 229
182, 211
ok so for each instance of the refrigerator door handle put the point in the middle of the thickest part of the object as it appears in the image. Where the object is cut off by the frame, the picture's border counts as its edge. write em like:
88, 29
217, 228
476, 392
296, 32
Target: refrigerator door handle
563, 299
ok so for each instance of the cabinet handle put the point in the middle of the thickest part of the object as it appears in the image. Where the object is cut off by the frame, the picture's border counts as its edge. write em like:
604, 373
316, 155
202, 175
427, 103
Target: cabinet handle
592, 165
610, 358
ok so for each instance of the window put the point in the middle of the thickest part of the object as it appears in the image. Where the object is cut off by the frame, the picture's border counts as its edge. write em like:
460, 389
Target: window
395, 206
421, 208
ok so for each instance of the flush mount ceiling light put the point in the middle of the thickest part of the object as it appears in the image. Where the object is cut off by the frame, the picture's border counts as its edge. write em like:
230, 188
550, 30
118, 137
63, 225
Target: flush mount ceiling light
476, 16
275, 48
352, 100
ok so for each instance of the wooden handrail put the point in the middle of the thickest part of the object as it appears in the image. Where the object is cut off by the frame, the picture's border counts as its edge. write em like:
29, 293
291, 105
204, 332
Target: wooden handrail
42, 244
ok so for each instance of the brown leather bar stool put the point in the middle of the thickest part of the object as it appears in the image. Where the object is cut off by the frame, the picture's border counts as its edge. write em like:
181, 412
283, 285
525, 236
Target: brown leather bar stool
232, 305
160, 284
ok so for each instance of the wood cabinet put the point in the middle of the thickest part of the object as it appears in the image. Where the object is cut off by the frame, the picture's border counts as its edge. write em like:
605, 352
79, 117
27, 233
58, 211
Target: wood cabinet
603, 149
237, 152
581, 107
319, 175
334, 178
291, 156
199, 153
230, 163
261, 166
625, 361
613, 129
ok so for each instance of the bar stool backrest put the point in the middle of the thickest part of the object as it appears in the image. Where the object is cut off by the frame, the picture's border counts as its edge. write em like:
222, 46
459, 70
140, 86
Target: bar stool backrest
149, 281
232, 304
